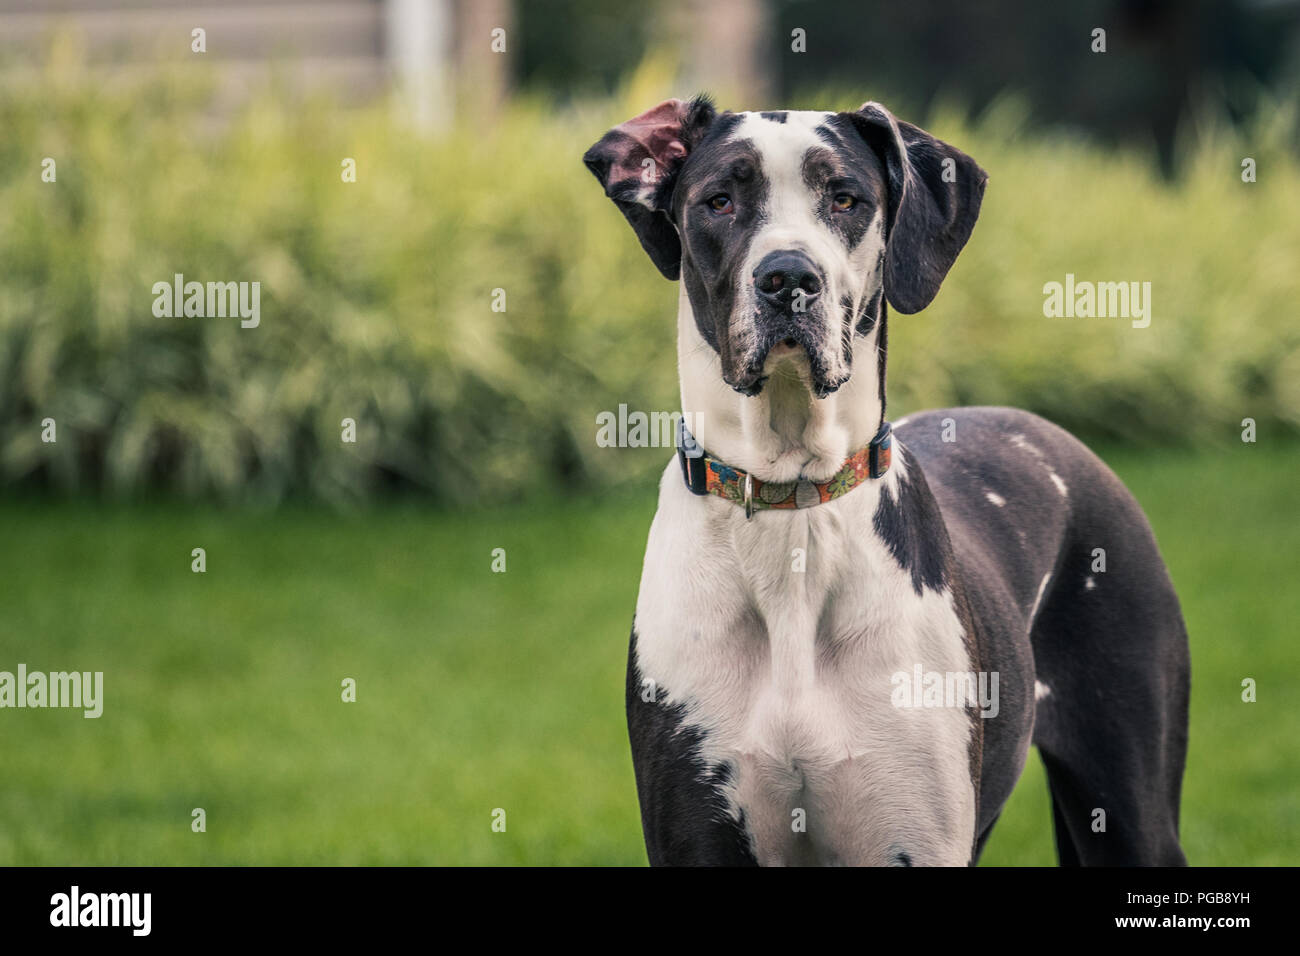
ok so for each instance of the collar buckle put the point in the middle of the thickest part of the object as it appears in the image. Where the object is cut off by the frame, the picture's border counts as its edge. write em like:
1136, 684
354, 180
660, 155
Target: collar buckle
881, 451
691, 455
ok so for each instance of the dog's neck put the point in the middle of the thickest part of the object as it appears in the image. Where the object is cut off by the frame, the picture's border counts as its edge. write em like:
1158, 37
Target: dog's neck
784, 432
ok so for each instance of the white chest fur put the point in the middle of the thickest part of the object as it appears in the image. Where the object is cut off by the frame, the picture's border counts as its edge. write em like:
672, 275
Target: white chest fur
779, 636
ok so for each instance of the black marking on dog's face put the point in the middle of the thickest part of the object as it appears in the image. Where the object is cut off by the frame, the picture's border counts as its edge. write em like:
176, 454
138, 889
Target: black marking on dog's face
714, 244
846, 166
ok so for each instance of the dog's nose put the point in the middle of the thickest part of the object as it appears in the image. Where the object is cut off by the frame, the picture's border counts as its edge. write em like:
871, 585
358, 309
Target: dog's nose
780, 273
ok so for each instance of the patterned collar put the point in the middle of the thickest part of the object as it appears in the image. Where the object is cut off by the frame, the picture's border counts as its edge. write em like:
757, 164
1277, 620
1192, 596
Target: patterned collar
706, 475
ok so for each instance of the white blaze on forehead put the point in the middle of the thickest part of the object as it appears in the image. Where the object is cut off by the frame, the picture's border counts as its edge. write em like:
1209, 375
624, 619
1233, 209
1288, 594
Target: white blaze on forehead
791, 215
791, 220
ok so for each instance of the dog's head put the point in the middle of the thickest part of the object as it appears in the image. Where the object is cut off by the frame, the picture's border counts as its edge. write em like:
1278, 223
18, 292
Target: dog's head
790, 228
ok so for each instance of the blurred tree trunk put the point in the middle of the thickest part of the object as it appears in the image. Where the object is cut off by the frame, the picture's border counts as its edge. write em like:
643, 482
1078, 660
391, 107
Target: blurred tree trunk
726, 49
482, 72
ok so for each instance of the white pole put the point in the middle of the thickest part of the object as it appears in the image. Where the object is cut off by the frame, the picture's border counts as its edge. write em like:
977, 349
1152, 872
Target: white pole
418, 35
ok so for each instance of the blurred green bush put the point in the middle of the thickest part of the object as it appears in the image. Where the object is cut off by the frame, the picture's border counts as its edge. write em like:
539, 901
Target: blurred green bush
377, 296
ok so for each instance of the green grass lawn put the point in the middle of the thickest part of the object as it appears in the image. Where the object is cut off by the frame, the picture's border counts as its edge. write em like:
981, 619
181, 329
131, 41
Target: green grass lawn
478, 690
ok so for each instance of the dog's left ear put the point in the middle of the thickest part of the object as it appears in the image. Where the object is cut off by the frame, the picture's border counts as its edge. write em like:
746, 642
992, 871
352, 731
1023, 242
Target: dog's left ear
934, 198
637, 162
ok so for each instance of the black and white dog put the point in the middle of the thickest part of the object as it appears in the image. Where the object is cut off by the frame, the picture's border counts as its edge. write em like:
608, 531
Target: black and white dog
816, 614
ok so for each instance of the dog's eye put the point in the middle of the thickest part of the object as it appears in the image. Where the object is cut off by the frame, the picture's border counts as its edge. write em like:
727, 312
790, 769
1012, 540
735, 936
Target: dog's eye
843, 202
721, 204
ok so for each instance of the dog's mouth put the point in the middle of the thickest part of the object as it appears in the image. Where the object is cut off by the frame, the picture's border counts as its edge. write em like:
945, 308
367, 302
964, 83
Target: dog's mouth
792, 350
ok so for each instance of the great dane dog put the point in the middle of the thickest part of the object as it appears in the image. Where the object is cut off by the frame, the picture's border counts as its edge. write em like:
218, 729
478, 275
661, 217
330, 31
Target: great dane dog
846, 641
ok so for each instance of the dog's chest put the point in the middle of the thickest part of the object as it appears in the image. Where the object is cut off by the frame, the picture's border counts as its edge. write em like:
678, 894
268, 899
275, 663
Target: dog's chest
780, 637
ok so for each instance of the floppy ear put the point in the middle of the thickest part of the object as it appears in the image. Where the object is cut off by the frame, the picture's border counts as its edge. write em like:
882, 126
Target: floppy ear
637, 163
935, 192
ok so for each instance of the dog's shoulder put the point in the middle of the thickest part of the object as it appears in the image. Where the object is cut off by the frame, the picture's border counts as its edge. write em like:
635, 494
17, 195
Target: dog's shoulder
998, 456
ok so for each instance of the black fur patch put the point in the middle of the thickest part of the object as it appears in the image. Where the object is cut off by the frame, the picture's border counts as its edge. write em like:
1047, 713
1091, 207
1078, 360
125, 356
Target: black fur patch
908, 526
715, 247
845, 165
683, 811
882, 347
931, 214
868, 314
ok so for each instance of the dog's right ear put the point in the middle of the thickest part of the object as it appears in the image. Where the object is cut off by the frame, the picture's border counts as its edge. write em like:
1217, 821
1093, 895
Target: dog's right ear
637, 162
